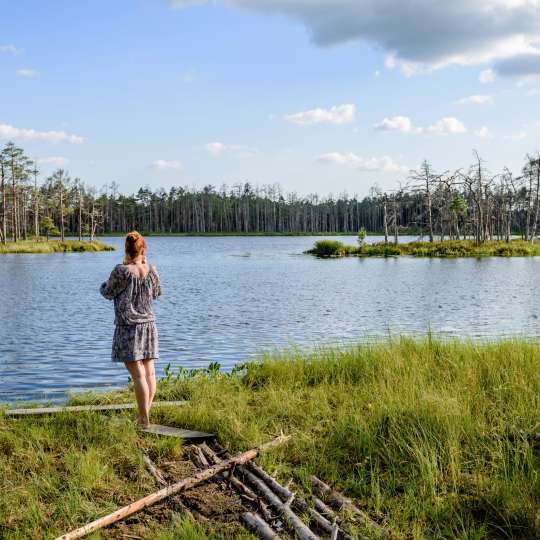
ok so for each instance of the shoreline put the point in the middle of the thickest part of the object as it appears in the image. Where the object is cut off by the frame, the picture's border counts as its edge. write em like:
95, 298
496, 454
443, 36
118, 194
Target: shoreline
416, 432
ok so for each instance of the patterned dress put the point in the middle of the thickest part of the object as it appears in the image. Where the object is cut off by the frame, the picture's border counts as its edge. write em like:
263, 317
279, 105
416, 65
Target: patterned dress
135, 335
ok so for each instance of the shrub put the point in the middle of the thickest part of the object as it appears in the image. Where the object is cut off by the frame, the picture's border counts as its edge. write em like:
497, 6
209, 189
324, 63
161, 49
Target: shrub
329, 248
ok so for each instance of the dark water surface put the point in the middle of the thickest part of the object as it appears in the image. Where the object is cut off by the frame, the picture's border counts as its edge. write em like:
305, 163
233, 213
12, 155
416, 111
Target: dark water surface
225, 298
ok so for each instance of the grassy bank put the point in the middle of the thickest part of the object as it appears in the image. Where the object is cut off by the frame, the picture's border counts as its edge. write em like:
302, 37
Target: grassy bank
415, 432
53, 246
444, 249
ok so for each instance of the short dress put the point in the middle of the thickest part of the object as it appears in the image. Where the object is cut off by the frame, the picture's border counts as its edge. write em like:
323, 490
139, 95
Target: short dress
135, 334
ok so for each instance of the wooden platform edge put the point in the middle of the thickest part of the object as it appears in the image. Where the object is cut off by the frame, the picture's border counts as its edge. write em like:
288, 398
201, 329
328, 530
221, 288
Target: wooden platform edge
170, 431
78, 408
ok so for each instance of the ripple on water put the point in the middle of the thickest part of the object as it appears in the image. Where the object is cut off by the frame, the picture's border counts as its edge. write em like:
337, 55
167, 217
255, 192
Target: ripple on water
227, 298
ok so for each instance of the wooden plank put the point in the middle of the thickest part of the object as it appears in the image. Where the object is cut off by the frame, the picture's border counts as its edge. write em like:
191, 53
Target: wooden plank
169, 431
77, 408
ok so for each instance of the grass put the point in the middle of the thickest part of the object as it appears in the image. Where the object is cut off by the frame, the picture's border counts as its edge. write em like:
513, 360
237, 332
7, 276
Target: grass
444, 249
53, 246
414, 431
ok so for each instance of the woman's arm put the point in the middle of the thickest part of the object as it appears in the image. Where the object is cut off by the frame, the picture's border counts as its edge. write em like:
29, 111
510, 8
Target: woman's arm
156, 283
114, 285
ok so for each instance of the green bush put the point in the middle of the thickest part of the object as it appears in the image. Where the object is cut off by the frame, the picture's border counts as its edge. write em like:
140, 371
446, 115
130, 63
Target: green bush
329, 248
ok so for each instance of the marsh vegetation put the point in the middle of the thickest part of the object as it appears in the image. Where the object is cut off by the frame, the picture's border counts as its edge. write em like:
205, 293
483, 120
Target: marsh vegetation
53, 246
428, 437
445, 249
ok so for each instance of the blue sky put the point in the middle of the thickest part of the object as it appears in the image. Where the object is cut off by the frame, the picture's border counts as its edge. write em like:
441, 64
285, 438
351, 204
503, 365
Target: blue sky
318, 95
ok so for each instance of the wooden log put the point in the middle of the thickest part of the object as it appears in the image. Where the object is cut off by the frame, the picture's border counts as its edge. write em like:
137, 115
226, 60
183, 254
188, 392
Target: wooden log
79, 408
259, 526
184, 484
282, 491
335, 498
198, 457
287, 495
335, 532
235, 482
301, 529
154, 471
299, 503
324, 509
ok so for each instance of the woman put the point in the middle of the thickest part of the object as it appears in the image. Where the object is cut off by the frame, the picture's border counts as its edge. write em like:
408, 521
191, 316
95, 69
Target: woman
133, 286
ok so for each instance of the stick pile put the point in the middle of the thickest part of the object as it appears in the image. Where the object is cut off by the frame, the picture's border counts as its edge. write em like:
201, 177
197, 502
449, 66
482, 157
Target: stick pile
272, 510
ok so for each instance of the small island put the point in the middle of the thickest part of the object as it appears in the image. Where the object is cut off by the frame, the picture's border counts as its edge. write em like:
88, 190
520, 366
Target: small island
327, 249
53, 246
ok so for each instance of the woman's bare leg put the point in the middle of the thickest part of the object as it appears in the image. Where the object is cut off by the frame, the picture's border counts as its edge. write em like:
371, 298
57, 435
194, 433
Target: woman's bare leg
150, 373
142, 393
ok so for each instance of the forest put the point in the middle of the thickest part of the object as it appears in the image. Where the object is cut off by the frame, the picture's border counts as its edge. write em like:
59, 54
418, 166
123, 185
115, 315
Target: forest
470, 202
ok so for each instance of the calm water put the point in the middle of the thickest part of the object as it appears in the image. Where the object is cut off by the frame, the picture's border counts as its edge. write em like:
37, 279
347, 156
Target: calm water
227, 298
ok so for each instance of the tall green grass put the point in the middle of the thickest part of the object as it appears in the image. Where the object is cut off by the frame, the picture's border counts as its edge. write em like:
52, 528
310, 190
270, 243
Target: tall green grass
415, 431
445, 249
53, 246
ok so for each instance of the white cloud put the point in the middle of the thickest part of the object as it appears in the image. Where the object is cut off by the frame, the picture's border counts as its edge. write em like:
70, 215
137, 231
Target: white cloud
55, 161
483, 133
353, 161
11, 49
215, 148
420, 35
233, 150
25, 72
486, 76
166, 165
339, 114
518, 136
475, 100
533, 92
447, 125
403, 124
395, 123
25, 134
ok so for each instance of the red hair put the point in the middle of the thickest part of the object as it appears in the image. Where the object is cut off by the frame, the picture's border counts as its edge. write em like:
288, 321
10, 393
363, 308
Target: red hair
135, 245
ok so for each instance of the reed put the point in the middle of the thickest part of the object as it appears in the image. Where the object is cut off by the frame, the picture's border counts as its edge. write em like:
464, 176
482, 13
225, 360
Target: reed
53, 246
443, 249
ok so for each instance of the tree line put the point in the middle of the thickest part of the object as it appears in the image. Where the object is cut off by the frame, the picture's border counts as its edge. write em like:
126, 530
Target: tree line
464, 203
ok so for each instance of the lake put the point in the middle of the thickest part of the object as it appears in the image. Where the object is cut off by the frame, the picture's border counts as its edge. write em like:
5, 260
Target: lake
227, 298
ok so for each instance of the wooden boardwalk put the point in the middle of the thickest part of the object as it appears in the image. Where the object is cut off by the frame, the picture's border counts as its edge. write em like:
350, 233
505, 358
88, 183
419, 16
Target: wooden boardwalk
77, 408
169, 431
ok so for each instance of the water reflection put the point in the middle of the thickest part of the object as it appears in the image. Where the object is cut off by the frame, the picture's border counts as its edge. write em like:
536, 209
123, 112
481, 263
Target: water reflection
226, 298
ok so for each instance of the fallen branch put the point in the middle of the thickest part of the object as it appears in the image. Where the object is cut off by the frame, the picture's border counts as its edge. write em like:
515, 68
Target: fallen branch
342, 502
184, 484
198, 457
158, 475
155, 472
260, 526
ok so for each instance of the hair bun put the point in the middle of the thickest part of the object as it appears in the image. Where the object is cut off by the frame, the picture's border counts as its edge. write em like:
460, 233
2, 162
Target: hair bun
135, 244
